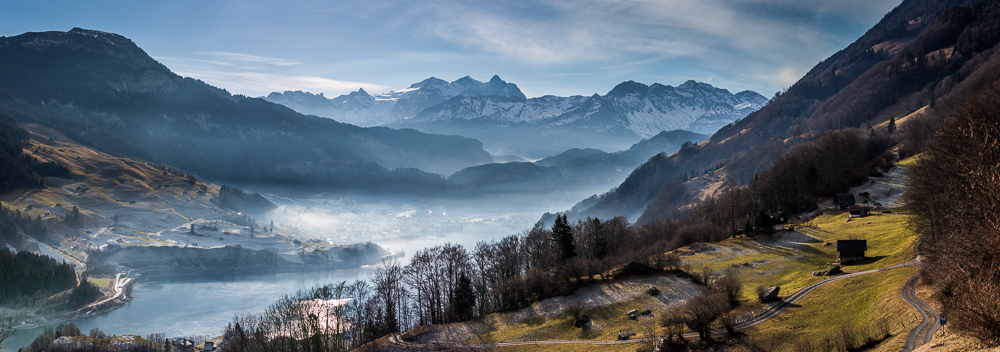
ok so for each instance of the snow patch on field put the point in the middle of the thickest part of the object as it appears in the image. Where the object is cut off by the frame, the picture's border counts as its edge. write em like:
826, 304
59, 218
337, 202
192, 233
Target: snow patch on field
886, 190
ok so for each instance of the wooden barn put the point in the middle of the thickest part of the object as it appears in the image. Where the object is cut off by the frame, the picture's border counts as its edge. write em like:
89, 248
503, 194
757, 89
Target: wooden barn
844, 201
859, 211
852, 250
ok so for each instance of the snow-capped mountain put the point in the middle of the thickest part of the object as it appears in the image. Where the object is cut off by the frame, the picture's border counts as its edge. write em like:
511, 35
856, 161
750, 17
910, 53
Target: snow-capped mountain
648, 110
498, 114
365, 110
543, 126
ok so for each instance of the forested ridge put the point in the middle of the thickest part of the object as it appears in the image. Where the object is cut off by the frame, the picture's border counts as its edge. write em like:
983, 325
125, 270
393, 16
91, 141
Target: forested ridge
27, 274
234, 199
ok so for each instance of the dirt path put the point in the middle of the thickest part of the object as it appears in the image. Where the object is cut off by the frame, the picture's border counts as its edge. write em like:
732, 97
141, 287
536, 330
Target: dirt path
767, 315
930, 318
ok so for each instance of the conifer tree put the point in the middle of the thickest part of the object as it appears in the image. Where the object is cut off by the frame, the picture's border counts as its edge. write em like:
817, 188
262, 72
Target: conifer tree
562, 234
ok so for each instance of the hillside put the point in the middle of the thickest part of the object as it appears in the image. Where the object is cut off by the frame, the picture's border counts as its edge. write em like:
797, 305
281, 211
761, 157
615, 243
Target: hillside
593, 165
103, 90
786, 259
109, 202
921, 54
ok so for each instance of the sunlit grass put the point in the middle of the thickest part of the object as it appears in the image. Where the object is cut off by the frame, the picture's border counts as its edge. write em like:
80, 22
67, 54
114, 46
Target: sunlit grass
569, 348
99, 282
610, 318
790, 266
861, 301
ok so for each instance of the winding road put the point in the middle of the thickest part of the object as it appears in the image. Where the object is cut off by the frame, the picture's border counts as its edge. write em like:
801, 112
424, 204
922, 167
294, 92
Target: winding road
930, 320
926, 327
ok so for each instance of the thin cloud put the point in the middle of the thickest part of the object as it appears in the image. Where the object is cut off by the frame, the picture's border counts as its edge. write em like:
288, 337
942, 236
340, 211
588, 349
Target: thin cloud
261, 84
252, 58
259, 81
607, 30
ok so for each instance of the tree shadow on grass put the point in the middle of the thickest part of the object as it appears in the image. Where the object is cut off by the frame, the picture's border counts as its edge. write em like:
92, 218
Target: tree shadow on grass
866, 261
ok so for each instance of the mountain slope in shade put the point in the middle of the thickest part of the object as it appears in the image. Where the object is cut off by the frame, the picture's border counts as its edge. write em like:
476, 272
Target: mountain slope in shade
922, 52
104, 89
595, 166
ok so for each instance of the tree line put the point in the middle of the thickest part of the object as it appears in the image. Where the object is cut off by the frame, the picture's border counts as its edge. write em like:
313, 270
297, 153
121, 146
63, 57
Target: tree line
955, 195
27, 274
450, 283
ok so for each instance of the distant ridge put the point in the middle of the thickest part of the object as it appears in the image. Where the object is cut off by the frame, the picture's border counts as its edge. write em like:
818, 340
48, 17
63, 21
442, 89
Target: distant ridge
497, 113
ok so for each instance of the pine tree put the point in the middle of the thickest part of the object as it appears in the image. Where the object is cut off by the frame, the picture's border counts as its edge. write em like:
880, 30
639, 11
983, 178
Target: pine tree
562, 234
892, 125
600, 240
465, 298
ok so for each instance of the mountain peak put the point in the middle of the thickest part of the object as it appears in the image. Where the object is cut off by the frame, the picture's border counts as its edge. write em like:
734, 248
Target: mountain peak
628, 87
692, 84
91, 32
433, 81
496, 79
466, 80
360, 91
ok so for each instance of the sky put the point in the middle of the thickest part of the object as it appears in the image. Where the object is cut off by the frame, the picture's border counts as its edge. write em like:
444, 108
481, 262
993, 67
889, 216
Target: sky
569, 47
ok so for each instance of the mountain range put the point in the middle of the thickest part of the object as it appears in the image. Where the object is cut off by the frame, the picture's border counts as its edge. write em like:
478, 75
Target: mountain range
102, 90
498, 114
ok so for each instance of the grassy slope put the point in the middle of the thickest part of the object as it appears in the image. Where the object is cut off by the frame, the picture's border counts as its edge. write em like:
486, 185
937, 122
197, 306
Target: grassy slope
99, 282
775, 262
860, 301
790, 265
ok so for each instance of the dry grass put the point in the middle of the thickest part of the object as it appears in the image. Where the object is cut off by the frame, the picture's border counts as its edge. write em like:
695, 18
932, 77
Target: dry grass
606, 305
861, 301
99, 282
789, 259
945, 341
786, 260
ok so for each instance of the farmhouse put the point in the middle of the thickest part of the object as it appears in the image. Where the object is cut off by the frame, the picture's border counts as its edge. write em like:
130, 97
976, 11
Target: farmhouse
844, 201
859, 211
852, 250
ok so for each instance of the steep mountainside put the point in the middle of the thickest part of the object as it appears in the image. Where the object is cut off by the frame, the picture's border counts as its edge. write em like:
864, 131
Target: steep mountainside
597, 166
923, 53
103, 90
497, 113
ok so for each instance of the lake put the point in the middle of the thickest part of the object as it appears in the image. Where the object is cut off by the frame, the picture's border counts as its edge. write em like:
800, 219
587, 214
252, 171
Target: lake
203, 305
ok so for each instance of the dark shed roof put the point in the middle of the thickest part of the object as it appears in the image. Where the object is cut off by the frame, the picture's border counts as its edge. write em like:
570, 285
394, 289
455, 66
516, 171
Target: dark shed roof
852, 245
845, 199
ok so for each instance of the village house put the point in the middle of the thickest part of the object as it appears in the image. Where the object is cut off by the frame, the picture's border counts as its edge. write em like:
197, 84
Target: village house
852, 250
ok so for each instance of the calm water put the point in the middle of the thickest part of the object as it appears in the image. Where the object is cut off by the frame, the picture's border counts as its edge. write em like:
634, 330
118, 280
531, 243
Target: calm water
185, 306
196, 305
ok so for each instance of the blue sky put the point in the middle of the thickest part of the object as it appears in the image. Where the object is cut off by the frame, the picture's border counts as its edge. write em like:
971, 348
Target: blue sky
555, 47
